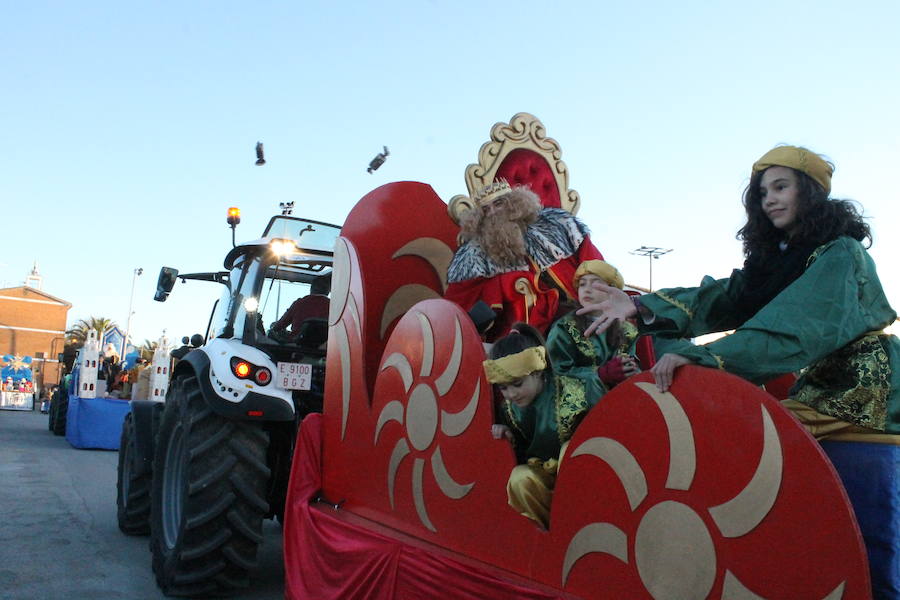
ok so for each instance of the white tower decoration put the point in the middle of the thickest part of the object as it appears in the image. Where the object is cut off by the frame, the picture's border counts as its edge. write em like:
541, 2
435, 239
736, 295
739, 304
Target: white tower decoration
87, 369
159, 374
34, 279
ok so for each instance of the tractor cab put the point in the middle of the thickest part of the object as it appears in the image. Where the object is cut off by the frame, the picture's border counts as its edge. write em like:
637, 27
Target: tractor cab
267, 277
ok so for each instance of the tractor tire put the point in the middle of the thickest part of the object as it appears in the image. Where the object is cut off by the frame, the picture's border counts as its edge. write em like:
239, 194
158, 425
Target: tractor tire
208, 496
59, 420
132, 489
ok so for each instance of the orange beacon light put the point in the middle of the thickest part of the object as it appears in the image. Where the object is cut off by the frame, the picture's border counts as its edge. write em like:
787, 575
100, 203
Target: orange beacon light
234, 216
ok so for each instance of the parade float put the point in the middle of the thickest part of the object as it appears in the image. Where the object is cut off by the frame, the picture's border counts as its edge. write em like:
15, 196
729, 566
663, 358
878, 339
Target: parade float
90, 418
16, 383
711, 490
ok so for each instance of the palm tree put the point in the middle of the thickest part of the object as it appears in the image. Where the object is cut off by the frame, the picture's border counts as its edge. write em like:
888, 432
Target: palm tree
147, 349
78, 334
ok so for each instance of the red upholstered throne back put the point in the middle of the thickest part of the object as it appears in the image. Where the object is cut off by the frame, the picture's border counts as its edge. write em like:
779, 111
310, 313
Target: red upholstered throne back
524, 167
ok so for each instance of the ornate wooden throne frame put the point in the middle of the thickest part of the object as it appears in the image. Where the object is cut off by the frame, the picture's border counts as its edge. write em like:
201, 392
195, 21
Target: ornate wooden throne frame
521, 153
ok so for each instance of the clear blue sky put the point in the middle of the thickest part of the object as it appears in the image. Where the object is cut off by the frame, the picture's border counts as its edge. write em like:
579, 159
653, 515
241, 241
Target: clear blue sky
129, 128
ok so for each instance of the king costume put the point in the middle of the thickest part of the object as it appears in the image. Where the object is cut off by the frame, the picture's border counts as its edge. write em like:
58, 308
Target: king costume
529, 292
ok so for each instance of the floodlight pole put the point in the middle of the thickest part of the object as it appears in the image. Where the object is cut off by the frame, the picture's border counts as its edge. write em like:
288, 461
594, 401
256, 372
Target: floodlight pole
651, 252
137, 272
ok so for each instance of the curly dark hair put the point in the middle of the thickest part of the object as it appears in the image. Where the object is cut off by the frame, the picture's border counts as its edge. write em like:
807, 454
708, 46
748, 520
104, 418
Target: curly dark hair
820, 219
521, 336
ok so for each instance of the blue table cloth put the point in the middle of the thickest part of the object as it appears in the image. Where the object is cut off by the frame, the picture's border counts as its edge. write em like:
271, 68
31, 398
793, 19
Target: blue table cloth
95, 422
871, 475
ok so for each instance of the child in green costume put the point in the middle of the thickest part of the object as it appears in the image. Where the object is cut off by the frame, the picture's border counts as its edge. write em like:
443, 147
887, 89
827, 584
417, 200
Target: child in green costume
808, 299
539, 414
606, 358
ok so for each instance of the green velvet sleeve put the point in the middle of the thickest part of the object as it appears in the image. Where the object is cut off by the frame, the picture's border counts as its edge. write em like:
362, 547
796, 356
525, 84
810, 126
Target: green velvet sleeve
691, 312
836, 300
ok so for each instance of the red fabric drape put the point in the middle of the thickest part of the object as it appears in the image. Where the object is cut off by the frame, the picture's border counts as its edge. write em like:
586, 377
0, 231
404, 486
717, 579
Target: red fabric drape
328, 557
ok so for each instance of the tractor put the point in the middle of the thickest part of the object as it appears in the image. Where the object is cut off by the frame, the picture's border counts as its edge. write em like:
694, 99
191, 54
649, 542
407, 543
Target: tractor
201, 471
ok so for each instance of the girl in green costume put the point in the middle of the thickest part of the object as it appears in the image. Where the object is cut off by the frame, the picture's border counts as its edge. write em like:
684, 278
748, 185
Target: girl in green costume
603, 359
807, 300
539, 414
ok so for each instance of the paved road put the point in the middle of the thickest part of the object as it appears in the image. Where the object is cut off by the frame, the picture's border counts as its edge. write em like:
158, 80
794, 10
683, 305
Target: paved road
58, 533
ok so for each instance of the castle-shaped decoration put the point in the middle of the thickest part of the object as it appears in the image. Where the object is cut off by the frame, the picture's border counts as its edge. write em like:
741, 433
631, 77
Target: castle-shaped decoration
87, 367
159, 370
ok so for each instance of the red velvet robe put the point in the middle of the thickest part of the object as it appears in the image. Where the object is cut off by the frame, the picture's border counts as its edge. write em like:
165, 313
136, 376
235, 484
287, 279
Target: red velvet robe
500, 292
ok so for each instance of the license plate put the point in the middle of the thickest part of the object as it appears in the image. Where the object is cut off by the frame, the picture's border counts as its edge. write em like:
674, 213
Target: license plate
294, 376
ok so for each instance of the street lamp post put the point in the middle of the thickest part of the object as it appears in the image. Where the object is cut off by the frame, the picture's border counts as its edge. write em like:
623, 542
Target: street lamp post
137, 272
651, 252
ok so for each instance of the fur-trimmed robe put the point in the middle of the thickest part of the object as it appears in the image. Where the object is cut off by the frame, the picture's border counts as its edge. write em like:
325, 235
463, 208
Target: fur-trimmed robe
556, 244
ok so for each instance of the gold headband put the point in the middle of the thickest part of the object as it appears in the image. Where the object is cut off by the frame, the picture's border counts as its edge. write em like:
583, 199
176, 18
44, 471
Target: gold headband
601, 269
800, 159
516, 366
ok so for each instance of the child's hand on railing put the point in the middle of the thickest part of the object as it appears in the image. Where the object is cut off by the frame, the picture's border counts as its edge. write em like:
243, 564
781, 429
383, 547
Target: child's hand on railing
500, 431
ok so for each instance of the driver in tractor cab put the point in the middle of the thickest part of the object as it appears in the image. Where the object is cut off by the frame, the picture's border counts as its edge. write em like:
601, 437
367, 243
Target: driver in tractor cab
313, 306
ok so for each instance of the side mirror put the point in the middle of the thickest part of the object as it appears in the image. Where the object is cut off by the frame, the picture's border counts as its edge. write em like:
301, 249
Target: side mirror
165, 283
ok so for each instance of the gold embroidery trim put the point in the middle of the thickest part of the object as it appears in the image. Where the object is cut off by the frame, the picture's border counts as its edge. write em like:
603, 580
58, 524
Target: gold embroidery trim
513, 422
812, 257
581, 343
571, 402
675, 303
559, 399
630, 333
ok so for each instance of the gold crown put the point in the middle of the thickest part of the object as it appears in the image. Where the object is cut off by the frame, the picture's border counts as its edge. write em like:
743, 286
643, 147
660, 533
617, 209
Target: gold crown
494, 190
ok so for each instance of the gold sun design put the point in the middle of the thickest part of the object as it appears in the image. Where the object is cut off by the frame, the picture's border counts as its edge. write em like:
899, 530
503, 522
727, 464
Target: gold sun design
18, 363
668, 528
421, 417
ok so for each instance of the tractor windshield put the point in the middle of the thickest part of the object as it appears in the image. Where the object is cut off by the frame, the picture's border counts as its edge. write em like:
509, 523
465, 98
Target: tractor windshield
308, 235
219, 318
268, 280
230, 315
278, 295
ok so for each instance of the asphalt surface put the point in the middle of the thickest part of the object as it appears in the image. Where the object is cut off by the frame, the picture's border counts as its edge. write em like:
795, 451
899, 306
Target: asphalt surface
58, 534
